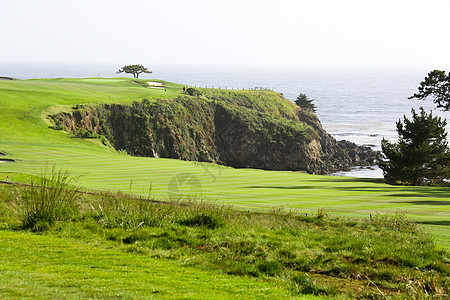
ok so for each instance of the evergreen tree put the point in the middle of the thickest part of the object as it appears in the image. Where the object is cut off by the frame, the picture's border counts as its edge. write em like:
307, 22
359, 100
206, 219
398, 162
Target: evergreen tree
436, 85
134, 69
304, 102
421, 156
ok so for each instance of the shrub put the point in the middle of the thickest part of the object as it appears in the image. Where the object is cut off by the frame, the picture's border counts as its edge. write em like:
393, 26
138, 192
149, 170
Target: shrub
50, 198
201, 220
86, 133
193, 92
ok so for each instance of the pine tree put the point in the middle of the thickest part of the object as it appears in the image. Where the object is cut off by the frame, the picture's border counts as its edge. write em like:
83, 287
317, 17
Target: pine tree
437, 86
421, 156
304, 102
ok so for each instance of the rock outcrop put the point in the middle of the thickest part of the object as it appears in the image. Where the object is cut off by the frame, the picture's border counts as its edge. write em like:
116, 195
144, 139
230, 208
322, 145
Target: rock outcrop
216, 128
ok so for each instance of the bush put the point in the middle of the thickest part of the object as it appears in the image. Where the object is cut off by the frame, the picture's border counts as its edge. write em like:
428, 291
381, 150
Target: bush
50, 198
86, 133
201, 220
193, 92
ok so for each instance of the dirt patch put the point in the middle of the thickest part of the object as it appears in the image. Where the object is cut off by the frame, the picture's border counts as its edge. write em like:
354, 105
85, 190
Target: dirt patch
2, 154
6, 78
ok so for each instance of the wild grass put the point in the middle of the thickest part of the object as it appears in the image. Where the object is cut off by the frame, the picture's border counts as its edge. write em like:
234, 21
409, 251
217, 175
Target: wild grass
50, 198
319, 254
267, 102
124, 211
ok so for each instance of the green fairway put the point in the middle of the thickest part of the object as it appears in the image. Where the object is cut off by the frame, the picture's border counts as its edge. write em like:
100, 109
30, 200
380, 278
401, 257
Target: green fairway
26, 137
45, 267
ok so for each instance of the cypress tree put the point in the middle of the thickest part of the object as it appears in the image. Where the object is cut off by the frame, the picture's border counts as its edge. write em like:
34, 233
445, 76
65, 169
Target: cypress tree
304, 102
421, 156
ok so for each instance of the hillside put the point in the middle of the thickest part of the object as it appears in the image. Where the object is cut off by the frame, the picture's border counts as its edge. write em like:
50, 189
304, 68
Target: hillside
30, 140
241, 129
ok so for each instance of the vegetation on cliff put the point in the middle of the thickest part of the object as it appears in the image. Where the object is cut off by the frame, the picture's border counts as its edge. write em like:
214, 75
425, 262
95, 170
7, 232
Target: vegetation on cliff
257, 129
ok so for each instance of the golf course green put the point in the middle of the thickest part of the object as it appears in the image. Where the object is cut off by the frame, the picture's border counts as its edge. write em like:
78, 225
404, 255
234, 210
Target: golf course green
27, 137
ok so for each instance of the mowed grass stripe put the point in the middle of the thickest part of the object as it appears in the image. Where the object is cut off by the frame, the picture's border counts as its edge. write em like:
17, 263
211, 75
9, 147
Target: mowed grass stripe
242, 187
43, 267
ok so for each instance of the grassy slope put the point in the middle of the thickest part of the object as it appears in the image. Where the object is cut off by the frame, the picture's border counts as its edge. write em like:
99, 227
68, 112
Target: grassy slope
25, 136
45, 267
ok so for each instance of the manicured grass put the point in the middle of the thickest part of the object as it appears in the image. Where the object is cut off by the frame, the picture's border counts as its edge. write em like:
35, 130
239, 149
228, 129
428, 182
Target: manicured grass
27, 138
49, 267
105, 240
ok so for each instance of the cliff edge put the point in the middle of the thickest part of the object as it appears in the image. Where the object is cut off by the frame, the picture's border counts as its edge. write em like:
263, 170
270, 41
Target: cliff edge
242, 129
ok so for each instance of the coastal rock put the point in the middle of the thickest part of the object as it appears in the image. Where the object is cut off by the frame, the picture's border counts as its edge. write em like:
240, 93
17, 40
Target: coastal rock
201, 129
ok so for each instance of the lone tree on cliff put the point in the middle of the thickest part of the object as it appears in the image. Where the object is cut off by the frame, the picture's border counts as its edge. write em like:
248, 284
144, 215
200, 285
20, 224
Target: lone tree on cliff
421, 156
304, 102
437, 85
134, 69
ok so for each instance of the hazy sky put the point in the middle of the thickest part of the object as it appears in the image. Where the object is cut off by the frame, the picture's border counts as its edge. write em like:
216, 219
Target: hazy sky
298, 32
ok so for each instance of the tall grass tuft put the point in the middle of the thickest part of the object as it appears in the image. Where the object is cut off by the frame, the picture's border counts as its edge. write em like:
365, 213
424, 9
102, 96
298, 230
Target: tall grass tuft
124, 211
119, 210
398, 221
49, 198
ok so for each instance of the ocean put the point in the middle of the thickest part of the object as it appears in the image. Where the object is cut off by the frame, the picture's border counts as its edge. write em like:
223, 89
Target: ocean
354, 104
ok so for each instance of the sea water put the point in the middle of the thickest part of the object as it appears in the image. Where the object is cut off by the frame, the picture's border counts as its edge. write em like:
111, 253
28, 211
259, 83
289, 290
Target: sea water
355, 104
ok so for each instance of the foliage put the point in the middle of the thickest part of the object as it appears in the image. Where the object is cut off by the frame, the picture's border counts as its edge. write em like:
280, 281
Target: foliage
421, 156
304, 102
193, 92
436, 85
185, 127
50, 198
317, 254
134, 69
86, 133
267, 102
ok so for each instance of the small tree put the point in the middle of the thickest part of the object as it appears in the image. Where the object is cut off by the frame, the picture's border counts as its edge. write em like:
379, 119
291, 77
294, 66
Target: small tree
421, 155
437, 85
134, 69
304, 102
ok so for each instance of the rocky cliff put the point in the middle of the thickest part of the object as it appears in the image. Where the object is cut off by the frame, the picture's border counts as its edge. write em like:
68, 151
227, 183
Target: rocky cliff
242, 129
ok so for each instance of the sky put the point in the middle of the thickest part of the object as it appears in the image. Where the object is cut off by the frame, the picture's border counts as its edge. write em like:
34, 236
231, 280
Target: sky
319, 33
